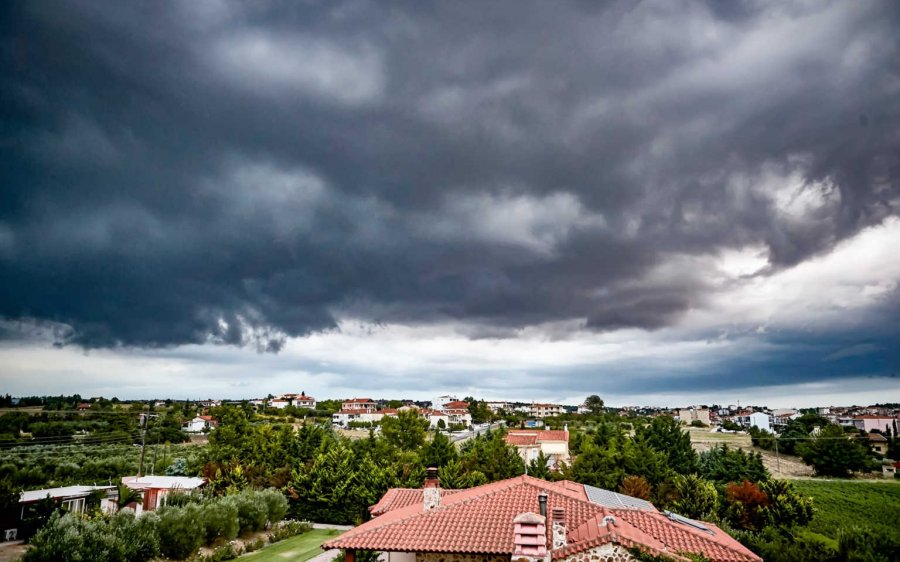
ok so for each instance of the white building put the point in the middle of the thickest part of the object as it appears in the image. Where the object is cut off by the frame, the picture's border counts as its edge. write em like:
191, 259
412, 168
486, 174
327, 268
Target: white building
343, 418
760, 420
154, 489
198, 424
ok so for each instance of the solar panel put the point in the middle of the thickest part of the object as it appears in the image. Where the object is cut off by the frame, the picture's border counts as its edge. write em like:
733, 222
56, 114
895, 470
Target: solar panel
609, 498
684, 520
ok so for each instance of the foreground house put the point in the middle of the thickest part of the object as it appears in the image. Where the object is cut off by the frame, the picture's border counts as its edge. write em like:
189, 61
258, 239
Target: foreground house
154, 489
531, 442
69, 498
530, 520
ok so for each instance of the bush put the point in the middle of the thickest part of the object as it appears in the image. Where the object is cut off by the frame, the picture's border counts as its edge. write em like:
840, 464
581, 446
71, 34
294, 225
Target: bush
254, 545
225, 552
103, 539
289, 529
252, 514
220, 520
181, 530
276, 505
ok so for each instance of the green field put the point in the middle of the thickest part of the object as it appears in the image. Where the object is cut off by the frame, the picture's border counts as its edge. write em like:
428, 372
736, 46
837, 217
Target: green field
294, 549
843, 503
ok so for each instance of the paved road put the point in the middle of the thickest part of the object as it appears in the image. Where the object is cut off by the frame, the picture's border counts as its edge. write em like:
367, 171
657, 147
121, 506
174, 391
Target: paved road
463, 436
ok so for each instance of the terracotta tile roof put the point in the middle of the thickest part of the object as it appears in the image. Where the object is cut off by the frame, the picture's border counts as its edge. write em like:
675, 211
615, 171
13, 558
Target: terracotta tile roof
714, 543
398, 498
477, 520
456, 405
480, 520
530, 437
520, 439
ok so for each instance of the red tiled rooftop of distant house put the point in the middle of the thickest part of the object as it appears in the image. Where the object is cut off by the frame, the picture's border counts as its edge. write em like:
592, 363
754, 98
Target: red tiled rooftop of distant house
359, 400
210, 419
84, 406
530, 437
480, 521
456, 405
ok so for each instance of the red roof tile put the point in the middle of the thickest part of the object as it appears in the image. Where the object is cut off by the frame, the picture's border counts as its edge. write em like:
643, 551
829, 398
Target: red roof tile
530, 437
397, 498
480, 520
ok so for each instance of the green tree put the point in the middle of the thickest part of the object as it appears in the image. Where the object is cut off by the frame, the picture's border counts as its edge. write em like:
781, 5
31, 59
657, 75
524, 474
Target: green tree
492, 456
697, 498
832, 453
785, 507
479, 411
406, 431
128, 496
439, 451
665, 435
594, 403
724, 464
538, 467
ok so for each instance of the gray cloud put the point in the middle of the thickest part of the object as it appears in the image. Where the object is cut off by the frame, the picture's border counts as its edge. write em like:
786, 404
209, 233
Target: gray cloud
205, 172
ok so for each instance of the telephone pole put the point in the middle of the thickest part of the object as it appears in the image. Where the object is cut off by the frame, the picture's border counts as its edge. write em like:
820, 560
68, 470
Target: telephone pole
145, 420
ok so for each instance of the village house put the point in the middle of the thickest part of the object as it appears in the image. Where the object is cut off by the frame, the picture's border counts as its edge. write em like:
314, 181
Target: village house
154, 489
526, 519
199, 424
539, 410
72, 499
878, 443
688, 415
363, 404
868, 423
530, 443
759, 420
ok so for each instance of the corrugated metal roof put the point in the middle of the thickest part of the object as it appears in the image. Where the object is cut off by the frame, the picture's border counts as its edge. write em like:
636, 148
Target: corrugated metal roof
612, 499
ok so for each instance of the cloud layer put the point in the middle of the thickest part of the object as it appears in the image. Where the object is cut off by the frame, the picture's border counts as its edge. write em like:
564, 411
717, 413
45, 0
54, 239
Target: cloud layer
208, 172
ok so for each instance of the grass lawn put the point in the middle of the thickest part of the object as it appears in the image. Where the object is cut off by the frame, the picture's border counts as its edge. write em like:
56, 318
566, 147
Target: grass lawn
295, 549
842, 503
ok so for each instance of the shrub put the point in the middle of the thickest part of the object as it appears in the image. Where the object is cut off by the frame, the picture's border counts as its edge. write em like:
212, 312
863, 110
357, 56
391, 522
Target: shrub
252, 514
181, 530
140, 536
276, 505
103, 539
220, 520
289, 529
254, 545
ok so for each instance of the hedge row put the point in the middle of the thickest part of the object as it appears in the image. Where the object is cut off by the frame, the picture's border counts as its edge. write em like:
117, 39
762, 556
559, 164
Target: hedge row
173, 531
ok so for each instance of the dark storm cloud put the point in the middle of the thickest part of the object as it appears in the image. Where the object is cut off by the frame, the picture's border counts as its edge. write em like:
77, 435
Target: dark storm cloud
239, 173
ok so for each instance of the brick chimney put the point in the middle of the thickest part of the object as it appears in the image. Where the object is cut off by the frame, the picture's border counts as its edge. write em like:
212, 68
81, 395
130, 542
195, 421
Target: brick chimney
530, 537
559, 528
432, 491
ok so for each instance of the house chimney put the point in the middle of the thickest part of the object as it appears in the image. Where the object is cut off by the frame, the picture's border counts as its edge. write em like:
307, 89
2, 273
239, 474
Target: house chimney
530, 537
559, 528
542, 502
432, 490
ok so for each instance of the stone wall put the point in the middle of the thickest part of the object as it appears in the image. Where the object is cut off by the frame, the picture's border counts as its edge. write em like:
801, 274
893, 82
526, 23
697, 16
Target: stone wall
603, 553
453, 557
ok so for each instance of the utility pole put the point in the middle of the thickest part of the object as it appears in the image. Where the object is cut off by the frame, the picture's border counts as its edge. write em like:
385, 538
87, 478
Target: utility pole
777, 458
145, 419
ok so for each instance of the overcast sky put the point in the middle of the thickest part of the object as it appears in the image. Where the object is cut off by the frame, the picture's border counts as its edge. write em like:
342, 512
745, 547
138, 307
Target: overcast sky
657, 202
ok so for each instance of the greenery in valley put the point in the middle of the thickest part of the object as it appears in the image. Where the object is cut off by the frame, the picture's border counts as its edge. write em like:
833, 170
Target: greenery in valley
323, 476
175, 531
